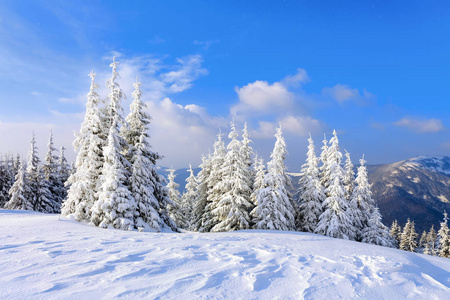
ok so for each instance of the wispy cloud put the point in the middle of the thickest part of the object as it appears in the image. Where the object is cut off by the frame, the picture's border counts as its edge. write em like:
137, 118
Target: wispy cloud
420, 125
343, 93
206, 44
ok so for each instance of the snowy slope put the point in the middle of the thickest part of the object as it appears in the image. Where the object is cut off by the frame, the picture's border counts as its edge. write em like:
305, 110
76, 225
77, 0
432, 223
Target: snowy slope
43, 257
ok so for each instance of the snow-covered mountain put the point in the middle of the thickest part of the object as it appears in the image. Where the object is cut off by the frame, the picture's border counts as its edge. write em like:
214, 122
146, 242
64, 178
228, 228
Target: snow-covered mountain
417, 188
44, 257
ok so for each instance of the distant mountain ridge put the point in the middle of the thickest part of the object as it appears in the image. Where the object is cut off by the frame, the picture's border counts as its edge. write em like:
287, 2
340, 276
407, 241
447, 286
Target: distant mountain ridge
416, 188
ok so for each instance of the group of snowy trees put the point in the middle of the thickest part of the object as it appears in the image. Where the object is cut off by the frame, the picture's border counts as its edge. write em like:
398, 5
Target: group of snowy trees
431, 243
232, 191
115, 182
33, 185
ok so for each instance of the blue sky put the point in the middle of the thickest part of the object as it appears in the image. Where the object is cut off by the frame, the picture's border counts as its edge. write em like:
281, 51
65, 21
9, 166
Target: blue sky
376, 72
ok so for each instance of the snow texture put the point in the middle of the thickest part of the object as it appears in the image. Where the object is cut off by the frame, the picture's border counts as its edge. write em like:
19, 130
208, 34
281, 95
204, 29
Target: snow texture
47, 258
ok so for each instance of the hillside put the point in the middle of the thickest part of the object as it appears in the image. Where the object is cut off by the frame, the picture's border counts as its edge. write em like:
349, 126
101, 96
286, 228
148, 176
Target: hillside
46, 257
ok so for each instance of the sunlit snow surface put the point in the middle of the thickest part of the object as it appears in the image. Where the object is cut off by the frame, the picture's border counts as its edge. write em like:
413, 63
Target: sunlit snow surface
43, 257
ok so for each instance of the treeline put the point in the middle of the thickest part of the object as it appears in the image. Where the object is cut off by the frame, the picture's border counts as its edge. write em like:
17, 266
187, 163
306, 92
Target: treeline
32, 185
114, 183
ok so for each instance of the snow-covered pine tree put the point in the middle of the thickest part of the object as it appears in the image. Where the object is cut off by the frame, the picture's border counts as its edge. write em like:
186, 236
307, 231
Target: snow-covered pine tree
408, 241
234, 205
215, 186
311, 194
19, 193
7, 178
336, 219
362, 204
89, 142
260, 173
376, 232
189, 197
32, 174
324, 169
201, 202
115, 205
422, 242
444, 238
275, 210
64, 172
431, 243
145, 184
349, 175
247, 152
395, 232
52, 177
175, 209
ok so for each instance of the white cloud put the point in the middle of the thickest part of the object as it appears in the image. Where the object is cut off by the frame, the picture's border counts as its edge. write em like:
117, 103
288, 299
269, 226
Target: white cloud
421, 126
182, 133
206, 44
301, 126
341, 93
295, 80
266, 130
263, 98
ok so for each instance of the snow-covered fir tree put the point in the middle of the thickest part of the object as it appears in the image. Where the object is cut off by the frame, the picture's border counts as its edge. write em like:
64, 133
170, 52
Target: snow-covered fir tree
362, 204
89, 143
275, 210
52, 176
408, 241
234, 205
431, 245
376, 232
395, 232
145, 183
175, 211
349, 175
444, 238
115, 204
201, 202
422, 242
19, 193
32, 174
260, 173
325, 168
64, 172
7, 178
336, 219
311, 193
189, 197
247, 152
215, 186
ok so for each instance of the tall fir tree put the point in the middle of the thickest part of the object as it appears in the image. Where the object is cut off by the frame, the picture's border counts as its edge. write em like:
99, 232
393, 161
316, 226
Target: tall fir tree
431, 244
336, 219
362, 205
395, 232
275, 209
260, 173
7, 178
84, 182
234, 205
215, 186
324, 168
376, 232
19, 192
201, 202
64, 173
349, 175
311, 193
189, 197
444, 238
52, 176
115, 204
32, 175
408, 241
174, 194
145, 183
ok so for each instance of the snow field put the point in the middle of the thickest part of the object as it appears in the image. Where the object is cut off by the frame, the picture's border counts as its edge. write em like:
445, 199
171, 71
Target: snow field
47, 258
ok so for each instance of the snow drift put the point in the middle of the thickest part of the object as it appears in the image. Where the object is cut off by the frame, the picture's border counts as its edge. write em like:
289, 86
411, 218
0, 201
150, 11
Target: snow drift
45, 257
